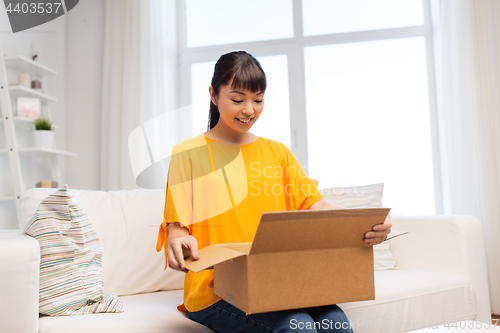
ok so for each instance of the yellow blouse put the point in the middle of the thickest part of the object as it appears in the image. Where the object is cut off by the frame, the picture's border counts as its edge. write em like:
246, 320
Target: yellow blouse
220, 191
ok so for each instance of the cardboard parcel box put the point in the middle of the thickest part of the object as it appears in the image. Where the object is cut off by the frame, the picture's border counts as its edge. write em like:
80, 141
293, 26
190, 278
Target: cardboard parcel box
298, 259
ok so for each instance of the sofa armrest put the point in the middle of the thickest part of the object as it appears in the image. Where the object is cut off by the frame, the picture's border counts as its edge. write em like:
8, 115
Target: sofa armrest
19, 282
448, 243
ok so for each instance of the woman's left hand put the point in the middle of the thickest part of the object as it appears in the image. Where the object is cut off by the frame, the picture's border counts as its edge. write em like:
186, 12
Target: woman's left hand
379, 232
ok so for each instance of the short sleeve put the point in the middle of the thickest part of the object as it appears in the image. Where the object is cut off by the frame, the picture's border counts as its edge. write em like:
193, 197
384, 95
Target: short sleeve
301, 191
170, 213
178, 198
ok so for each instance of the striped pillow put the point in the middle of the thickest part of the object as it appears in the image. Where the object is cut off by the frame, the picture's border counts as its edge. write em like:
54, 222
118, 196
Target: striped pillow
71, 281
368, 196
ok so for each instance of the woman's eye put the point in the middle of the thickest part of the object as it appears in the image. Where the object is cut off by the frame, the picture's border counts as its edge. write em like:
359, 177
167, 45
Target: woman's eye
259, 101
237, 101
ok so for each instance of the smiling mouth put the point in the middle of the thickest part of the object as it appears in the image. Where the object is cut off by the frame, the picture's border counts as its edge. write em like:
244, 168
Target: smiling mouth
244, 120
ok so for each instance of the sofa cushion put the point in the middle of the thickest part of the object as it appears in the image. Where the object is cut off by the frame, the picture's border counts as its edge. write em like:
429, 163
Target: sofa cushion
367, 196
126, 222
408, 300
152, 313
71, 280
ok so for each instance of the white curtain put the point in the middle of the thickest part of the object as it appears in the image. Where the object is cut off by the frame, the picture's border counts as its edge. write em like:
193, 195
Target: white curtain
139, 79
467, 48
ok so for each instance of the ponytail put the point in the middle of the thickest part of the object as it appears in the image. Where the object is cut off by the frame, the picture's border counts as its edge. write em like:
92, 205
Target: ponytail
213, 117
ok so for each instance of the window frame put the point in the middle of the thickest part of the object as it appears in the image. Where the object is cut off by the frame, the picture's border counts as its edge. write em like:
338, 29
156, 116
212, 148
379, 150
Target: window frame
294, 48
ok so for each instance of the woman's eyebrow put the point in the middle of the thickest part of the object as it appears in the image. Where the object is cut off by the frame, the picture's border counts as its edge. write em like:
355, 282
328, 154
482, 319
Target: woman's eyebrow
242, 93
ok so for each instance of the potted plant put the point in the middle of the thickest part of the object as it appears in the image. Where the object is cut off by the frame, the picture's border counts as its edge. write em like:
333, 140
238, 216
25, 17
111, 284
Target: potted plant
43, 136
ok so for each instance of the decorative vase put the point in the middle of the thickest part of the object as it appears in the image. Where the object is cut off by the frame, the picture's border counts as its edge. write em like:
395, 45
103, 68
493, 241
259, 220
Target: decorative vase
43, 138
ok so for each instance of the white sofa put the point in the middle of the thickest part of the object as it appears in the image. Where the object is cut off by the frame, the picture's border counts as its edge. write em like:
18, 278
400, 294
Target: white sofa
441, 273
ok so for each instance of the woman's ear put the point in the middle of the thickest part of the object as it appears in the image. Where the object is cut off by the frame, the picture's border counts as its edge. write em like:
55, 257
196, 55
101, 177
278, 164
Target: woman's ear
212, 95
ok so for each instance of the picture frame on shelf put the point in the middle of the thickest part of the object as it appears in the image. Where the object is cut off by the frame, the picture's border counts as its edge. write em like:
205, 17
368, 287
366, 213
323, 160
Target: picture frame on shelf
28, 107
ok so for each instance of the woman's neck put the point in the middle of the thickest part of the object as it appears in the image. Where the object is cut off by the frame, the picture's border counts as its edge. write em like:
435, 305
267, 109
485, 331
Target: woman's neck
238, 138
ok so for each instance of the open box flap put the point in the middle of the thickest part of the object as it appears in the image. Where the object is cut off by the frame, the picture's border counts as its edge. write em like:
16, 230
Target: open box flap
215, 254
315, 229
395, 233
240, 247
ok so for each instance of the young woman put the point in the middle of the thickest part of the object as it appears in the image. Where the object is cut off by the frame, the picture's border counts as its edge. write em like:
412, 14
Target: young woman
257, 175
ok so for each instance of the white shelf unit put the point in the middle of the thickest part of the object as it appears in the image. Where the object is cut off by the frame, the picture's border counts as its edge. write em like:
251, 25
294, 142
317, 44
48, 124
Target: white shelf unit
24, 64
13, 125
40, 152
25, 123
22, 91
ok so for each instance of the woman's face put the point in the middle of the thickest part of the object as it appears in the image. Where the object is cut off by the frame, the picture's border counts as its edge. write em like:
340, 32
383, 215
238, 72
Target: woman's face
239, 109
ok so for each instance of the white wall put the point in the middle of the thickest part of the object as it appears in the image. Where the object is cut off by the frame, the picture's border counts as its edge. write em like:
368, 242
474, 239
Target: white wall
72, 45
51, 40
84, 62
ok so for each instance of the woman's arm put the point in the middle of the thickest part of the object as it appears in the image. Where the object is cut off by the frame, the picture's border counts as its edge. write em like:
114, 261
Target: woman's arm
180, 246
372, 237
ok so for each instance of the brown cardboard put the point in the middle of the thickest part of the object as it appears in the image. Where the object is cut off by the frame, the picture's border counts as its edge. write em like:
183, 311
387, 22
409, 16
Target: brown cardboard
298, 259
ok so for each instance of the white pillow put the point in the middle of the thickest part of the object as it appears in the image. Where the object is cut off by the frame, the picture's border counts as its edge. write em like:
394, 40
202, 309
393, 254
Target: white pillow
71, 281
368, 196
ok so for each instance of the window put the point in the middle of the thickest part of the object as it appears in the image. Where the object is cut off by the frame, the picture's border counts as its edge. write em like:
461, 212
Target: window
350, 86
236, 21
323, 17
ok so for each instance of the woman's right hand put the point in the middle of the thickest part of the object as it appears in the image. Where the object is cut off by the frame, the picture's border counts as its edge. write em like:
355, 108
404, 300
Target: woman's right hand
180, 248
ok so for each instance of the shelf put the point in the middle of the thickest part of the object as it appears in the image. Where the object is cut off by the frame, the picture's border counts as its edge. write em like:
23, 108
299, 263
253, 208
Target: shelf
23, 122
41, 152
22, 91
11, 66
26, 123
37, 150
26, 65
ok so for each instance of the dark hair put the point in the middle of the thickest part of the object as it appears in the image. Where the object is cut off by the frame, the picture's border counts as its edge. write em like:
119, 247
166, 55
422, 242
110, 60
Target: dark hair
247, 73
